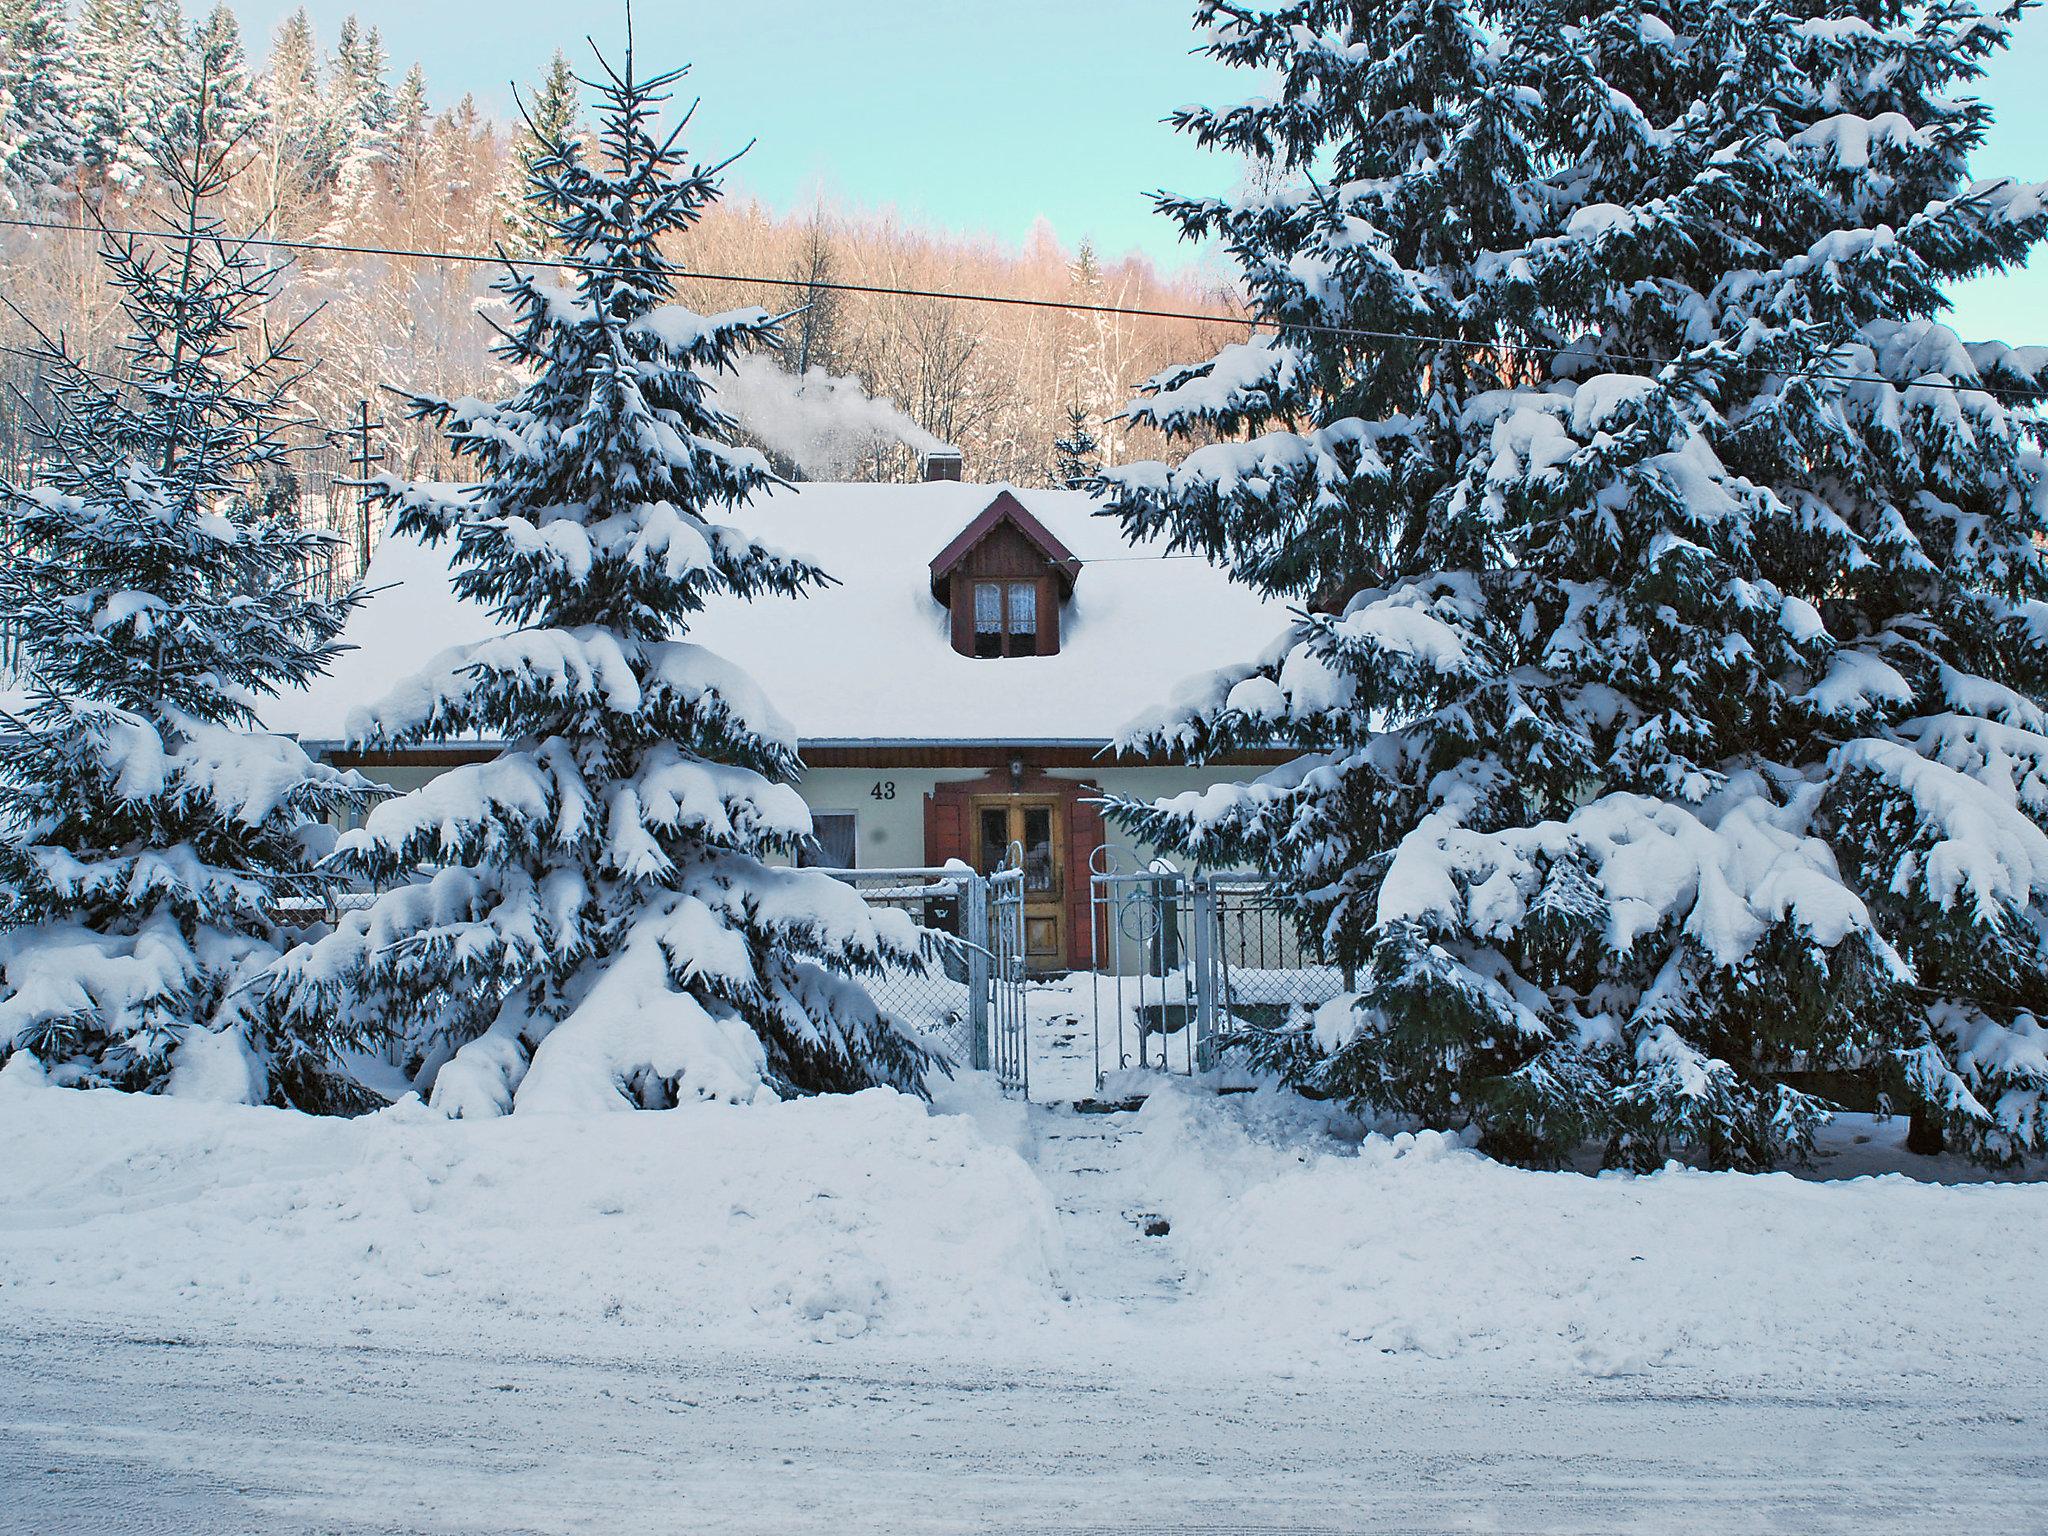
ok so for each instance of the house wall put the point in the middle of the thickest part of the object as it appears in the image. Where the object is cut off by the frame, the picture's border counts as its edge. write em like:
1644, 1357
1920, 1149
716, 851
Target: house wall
889, 826
889, 806
888, 803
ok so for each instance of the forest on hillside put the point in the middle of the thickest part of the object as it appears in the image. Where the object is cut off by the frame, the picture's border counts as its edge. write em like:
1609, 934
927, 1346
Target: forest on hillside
340, 149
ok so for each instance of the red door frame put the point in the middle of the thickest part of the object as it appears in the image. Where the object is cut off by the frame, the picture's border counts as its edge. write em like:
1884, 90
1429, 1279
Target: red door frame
949, 831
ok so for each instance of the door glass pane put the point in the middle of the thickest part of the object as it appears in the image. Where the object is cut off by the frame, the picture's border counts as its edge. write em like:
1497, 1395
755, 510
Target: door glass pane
995, 837
1038, 871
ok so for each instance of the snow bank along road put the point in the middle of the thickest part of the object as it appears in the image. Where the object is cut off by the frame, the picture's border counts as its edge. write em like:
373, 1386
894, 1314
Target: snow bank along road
859, 1315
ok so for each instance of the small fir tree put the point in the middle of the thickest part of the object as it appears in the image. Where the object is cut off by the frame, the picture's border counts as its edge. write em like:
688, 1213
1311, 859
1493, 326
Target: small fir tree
149, 830
602, 928
1671, 673
1077, 452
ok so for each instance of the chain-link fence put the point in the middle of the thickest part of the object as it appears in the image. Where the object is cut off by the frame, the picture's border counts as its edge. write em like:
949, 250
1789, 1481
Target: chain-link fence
945, 1003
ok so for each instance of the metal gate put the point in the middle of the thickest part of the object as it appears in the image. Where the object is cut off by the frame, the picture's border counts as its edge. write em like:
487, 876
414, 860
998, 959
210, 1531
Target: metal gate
1182, 960
968, 1001
1009, 1028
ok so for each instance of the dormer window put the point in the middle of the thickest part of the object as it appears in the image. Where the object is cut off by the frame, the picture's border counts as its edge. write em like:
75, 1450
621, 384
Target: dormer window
1003, 579
1006, 618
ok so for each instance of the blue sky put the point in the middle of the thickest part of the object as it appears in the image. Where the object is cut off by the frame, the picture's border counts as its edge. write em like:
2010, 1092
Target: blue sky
984, 115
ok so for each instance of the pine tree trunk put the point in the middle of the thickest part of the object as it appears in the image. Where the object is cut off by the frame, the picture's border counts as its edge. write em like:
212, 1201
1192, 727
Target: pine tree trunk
1923, 1133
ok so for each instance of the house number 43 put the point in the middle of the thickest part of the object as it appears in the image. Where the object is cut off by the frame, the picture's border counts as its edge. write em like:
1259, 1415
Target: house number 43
886, 790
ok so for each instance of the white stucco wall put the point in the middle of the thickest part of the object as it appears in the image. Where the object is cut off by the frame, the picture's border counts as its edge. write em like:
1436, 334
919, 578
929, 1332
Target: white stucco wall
888, 803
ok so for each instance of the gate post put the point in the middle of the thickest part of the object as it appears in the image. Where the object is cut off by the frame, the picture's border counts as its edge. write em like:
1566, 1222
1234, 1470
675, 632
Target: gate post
1202, 954
974, 918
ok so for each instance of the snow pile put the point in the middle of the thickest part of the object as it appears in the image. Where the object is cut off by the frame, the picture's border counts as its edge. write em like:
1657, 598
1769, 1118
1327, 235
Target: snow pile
1415, 1246
821, 1220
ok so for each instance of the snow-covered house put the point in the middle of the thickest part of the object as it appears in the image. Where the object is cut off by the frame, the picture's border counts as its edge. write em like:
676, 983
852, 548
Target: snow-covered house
959, 690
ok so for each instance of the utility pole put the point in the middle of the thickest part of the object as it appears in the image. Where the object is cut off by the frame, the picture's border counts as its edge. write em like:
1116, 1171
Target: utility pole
362, 460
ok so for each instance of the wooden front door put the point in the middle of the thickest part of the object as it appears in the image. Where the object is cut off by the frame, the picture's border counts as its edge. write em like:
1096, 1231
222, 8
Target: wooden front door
1036, 826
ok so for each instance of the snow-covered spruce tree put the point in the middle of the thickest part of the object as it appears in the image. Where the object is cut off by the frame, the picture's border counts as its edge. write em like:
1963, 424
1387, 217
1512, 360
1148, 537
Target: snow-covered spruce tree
40, 136
550, 119
1077, 452
234, 110
131, 60
146, 829
1673, 645
601, 928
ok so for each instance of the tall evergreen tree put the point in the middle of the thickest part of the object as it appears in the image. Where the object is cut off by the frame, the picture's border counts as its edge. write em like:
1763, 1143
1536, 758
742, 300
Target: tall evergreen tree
550, 119
360, 117
602, 928
41, 139
411, 128
301, 150
146, 829
1671, 673
131, 64
216, 71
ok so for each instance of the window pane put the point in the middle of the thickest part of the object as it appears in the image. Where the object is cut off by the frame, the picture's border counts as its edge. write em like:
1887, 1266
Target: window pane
1038, 847
995, 838
1023, 607
988, 608
834, 831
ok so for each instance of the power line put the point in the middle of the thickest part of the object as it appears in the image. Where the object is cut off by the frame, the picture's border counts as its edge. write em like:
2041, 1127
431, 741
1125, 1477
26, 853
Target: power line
63, 363
1021, 301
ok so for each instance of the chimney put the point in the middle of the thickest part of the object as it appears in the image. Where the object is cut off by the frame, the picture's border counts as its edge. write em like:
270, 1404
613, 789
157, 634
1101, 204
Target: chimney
942, 464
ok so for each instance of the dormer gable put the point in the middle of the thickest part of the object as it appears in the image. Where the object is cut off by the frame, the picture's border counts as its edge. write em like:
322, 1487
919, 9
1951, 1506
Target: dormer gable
1003, 578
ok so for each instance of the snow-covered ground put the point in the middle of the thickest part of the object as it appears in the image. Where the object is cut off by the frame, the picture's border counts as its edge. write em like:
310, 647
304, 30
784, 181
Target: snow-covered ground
864, 1315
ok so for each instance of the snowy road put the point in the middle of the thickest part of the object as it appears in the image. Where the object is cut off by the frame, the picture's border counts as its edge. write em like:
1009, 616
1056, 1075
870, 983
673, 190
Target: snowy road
135, 1434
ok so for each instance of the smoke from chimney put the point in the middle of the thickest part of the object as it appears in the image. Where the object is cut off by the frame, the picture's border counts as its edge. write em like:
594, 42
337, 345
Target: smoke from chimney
821, 422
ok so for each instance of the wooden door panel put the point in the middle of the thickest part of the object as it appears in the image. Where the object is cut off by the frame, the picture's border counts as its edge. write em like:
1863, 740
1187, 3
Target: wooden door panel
1036, 826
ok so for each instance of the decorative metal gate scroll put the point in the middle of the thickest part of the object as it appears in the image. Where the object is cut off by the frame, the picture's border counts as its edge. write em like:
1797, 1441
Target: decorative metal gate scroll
1180, 960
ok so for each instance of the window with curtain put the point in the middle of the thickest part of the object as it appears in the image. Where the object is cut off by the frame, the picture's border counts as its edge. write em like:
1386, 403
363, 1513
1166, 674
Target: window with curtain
834, 831
1024, 609
988, 618
1006, 618
1020, 626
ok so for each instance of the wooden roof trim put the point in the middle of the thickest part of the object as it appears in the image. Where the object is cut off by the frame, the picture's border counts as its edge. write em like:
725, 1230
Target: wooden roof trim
1005, 508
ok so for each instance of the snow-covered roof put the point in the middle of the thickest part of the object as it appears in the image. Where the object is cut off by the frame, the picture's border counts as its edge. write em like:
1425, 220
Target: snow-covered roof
869, 660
